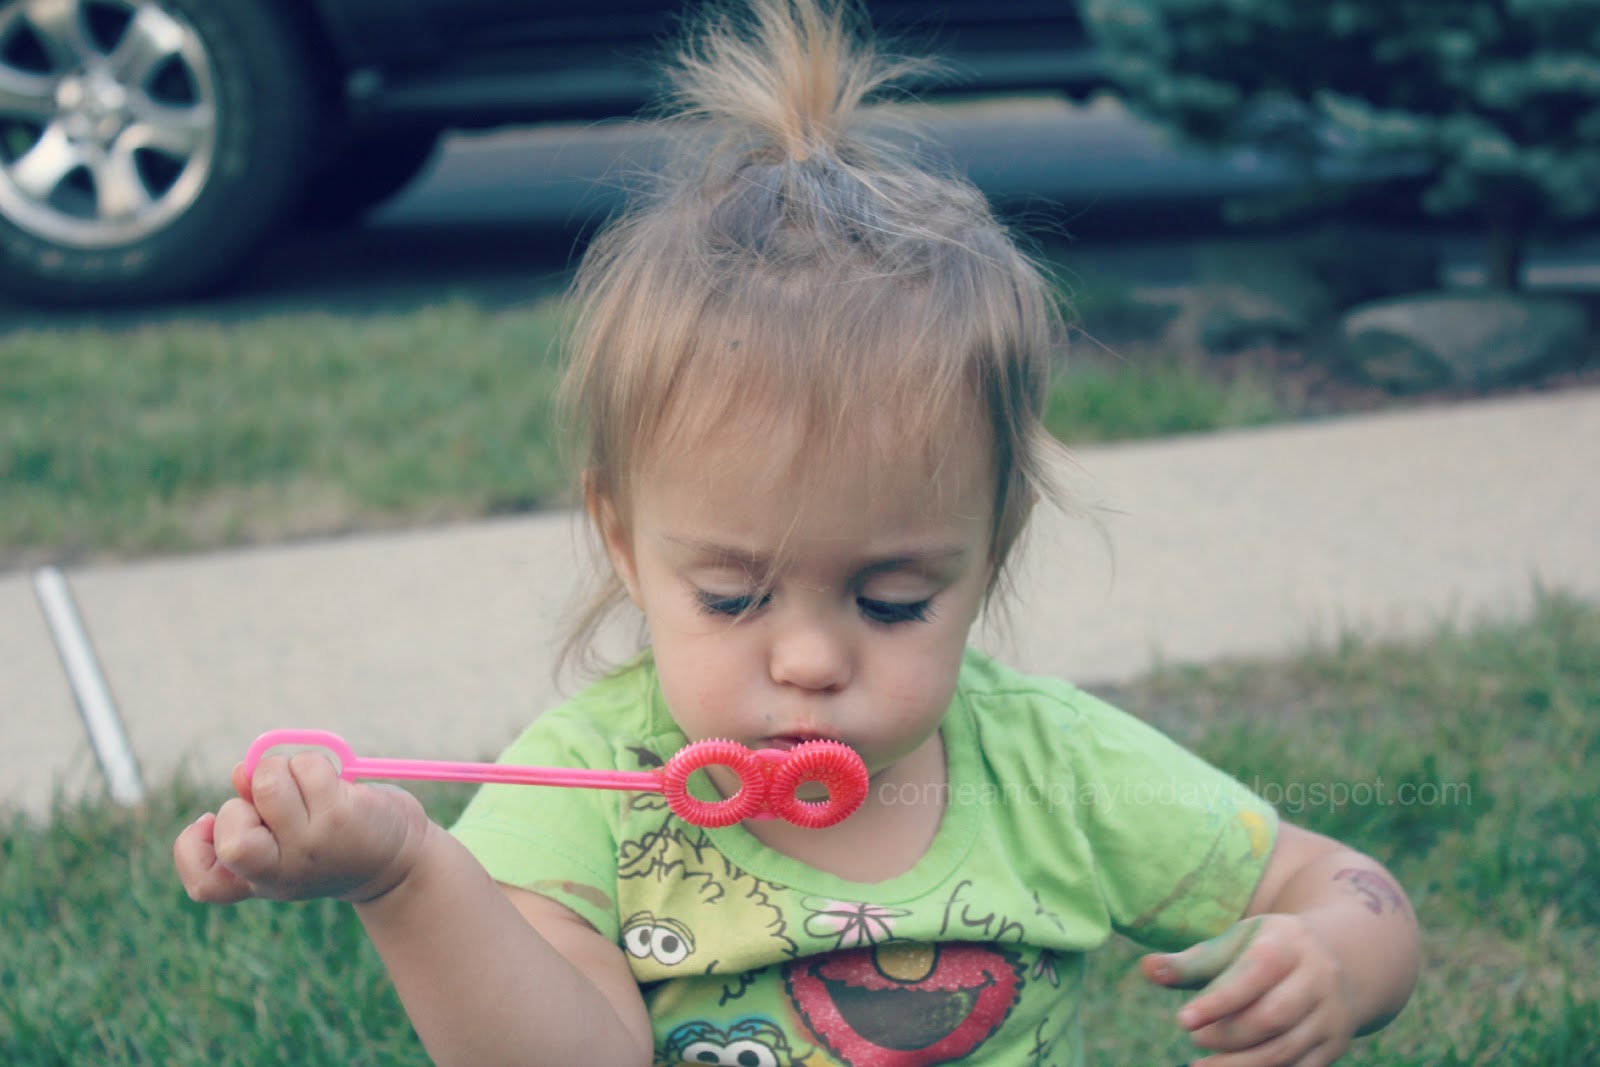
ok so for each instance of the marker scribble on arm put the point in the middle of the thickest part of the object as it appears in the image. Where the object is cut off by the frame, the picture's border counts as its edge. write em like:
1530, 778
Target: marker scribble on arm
1378, 893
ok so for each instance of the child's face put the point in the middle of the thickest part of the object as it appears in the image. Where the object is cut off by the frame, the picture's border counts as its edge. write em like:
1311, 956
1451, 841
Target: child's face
847, 620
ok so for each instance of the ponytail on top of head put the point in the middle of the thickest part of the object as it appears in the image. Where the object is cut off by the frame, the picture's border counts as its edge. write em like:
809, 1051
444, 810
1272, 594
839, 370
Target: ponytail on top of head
790, 75
790, 158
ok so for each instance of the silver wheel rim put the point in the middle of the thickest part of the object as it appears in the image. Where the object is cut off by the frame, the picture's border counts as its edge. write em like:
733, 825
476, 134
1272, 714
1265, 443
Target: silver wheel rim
108, 119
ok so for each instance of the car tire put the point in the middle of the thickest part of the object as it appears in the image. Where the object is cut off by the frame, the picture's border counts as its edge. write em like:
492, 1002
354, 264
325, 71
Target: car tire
368, 170
146, 148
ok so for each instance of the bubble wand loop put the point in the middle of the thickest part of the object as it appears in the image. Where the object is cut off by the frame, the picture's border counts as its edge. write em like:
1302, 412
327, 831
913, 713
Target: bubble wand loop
768, 778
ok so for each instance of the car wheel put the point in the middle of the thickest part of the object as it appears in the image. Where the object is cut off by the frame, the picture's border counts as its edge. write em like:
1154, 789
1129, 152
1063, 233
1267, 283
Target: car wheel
146, 146
369, 169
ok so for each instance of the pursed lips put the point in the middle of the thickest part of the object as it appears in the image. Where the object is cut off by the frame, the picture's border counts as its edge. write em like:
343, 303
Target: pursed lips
786, 742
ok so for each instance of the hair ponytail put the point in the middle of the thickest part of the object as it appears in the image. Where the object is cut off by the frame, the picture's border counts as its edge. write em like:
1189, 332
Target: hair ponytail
787, 77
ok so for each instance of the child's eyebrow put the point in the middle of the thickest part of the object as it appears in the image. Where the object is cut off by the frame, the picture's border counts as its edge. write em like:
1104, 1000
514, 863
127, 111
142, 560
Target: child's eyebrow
906, 560
926, 559
719, 552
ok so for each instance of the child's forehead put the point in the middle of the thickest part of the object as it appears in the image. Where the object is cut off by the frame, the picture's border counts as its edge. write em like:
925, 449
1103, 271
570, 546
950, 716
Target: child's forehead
847, 522
784, 451
792, 415
785, 479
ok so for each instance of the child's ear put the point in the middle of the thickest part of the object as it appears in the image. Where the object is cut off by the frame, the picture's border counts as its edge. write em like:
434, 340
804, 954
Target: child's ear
613, 533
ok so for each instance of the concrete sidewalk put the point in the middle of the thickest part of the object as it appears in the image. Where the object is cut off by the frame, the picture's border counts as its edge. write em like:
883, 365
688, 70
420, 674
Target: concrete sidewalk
440, 642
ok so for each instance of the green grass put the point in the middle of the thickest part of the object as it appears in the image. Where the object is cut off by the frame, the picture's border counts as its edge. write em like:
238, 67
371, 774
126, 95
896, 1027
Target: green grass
1494, 728
107, 964
1146, 392
1492, 735
194, 435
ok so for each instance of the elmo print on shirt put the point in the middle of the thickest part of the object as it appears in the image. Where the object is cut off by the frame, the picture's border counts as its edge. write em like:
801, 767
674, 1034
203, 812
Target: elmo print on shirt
905, 1004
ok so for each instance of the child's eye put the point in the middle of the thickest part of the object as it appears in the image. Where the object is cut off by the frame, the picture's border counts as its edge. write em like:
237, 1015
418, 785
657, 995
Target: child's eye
890, 612
734, 606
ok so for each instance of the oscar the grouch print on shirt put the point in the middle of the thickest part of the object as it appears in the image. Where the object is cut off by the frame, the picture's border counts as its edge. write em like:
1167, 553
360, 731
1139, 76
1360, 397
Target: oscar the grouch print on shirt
747, 1043
705, 914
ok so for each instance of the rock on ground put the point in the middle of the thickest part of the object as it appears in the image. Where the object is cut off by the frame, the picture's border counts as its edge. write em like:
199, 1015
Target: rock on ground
1476, 340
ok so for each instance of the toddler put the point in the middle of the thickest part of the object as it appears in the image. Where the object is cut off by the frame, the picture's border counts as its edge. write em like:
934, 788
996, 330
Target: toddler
807, 383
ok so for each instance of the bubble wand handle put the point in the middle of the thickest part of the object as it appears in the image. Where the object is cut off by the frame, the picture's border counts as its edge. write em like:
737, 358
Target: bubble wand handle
421, 770
767, 780
352, 766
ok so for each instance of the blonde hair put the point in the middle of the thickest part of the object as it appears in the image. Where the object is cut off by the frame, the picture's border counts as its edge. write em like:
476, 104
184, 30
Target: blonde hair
795, 262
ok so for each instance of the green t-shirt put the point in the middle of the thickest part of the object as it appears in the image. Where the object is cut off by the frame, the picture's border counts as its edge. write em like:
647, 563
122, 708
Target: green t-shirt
1065, 819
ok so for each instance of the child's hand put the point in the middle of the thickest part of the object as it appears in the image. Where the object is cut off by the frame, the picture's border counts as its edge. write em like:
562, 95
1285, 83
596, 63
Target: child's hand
1274, 994
298, 831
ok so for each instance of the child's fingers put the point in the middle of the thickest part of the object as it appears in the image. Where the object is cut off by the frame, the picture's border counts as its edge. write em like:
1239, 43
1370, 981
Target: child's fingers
1279, 1011
1199, 964
318, 781
241, 780
244, 844
204, 878
276, 795
1300, 1046
1245, 981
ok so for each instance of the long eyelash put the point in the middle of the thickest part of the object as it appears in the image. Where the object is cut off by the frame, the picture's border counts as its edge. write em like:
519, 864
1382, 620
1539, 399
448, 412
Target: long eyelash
727, 606
881, 612
889, 613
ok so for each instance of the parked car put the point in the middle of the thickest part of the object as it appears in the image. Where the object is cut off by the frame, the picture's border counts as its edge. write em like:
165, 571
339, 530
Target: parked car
148, 146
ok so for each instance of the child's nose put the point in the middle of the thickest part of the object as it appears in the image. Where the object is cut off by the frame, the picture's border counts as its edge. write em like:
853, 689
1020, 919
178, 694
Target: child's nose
811, 655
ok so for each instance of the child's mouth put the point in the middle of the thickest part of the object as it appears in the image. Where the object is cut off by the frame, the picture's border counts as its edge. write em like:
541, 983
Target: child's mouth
786, 742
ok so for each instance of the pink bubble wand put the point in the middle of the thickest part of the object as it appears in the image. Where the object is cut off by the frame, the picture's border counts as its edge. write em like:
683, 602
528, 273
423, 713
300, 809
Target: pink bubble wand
768, 778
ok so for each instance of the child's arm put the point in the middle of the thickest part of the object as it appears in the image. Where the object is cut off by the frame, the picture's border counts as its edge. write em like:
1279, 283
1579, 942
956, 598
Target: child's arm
1328, 950
486, 975
486, 980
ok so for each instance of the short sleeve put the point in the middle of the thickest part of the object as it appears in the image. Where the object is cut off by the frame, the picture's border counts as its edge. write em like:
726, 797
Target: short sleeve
1179, 845
558, 842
